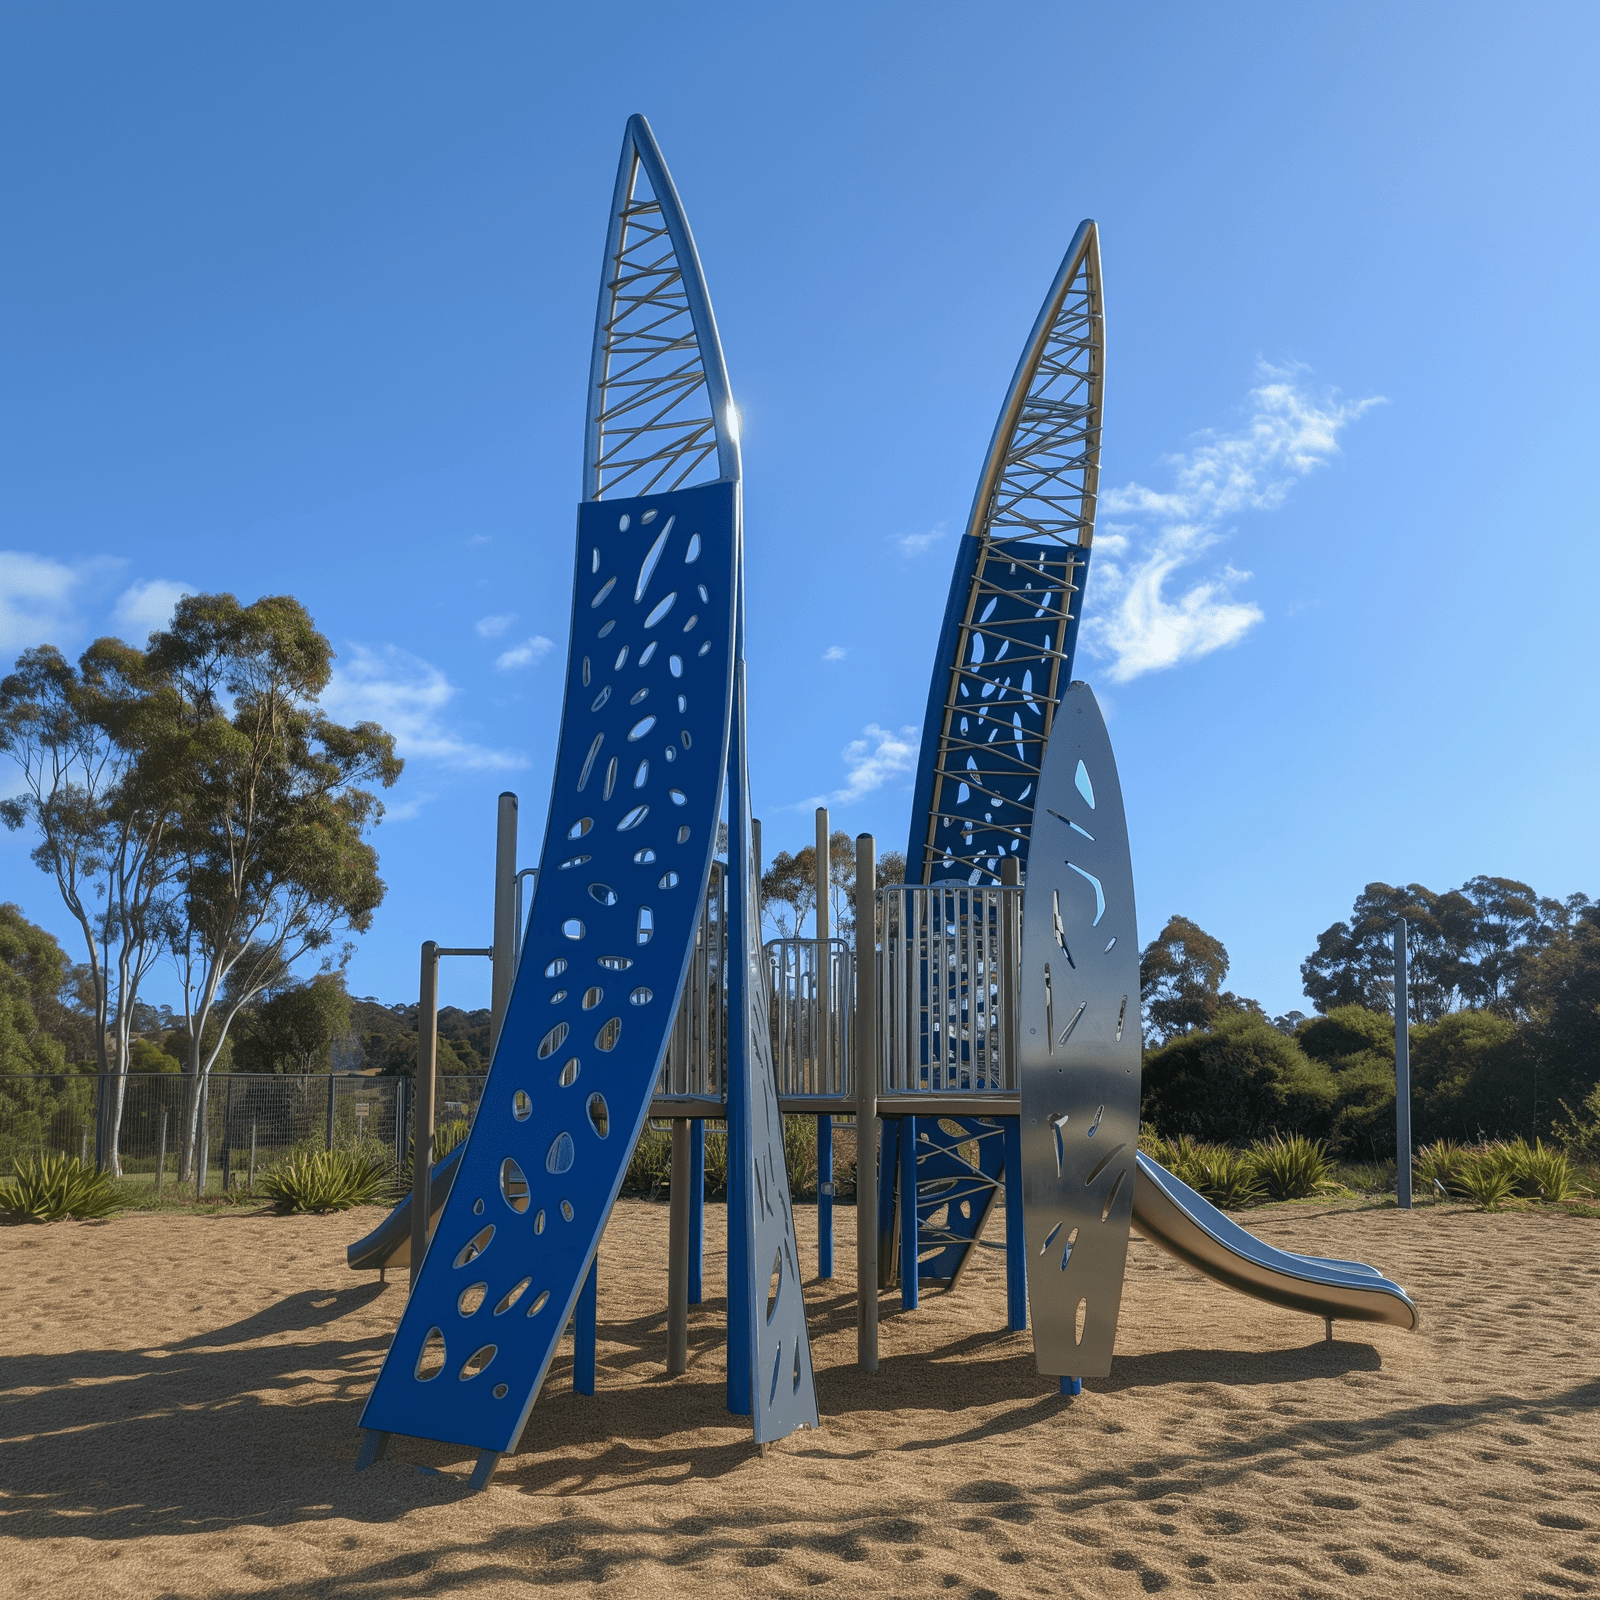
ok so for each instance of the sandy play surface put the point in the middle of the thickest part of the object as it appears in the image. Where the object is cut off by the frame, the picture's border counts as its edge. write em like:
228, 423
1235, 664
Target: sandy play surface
181, 1395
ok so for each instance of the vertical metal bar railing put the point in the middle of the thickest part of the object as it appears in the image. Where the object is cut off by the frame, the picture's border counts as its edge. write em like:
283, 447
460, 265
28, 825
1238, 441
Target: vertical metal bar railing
949, 990
697, 1046
799, 1028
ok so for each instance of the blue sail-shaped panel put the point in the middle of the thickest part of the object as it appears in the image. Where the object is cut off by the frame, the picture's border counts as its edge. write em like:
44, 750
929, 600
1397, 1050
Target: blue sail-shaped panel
1011, 620
628, 849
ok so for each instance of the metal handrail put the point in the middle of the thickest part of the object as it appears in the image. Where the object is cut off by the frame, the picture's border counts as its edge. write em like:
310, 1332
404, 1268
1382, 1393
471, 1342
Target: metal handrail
697, 1049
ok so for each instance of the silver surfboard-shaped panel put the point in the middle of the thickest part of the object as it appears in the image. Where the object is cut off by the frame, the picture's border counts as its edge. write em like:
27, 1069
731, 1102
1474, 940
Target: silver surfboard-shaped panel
1081, 1046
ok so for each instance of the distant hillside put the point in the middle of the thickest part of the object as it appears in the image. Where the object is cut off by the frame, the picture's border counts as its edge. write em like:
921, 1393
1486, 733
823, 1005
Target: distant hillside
385, 1037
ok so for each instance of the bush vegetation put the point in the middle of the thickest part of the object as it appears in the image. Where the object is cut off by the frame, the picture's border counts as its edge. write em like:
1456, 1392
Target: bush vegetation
46, 1188
312, 1179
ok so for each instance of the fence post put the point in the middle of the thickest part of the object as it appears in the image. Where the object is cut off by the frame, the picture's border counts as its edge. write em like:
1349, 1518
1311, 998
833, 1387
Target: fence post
201, 1172
328, 1142
1402, 1068
422, 1116
252, 1155
866, 1069
504, 960
227, 1137
161, 1154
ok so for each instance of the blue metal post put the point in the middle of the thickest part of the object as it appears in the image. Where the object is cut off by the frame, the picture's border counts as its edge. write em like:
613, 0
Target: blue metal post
697, 1210
908, 1213
584, 1330
824, 1197
1072, 1386
1016, 1257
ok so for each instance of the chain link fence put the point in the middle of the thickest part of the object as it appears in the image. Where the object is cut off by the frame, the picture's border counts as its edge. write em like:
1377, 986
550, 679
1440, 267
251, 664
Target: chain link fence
243, 1121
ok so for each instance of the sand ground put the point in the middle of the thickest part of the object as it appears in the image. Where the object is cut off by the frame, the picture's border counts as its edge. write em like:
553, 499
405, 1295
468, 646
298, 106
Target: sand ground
181, 1395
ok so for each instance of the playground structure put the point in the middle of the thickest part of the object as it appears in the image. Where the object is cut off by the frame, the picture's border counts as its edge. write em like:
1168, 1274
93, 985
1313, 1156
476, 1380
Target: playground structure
987, 1042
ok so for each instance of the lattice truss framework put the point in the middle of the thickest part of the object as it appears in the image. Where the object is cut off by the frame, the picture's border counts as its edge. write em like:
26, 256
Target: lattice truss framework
654, 404
1034, 520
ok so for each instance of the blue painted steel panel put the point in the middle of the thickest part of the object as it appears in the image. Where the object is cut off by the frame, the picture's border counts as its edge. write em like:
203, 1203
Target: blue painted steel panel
954, 1198
628, 848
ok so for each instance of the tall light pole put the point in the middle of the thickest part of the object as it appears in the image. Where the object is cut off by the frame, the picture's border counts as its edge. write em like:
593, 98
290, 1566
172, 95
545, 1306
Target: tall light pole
1402, 1068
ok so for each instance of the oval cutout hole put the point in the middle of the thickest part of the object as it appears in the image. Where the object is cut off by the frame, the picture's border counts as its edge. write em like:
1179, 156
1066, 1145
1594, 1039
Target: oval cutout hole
649, 651
540, 1300
669, 880
646, 925
678, 797
569, 1073
475, 1246
633, 819
643, 858
501, 1390
614, 963
660, 609
511, 1296
552, 1040
675, 665
605, 589
580, 827
640, 997
604, 893
538, 1223
774, 1284
561, 1154
599, 1115
477, 1361
566, 1211
573, 861
471, 1298
693, 552
705, 647
609, 1032
647, 567
683, 834
521, 1105
1080, 1319
641, 728
513, 1186
592, 997
556, 967
430, 1359
572, 928
642, 776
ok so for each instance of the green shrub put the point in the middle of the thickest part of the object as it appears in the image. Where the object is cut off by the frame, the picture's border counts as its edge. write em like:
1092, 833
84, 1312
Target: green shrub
1292, 1168
1486, 1180
46, 1188
448, 1135
650, 1167
1224, 1177
1237, 1081
328, 1180
1439, 1166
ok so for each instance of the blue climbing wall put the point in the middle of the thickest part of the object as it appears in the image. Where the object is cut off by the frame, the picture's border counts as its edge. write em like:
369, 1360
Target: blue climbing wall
628, 848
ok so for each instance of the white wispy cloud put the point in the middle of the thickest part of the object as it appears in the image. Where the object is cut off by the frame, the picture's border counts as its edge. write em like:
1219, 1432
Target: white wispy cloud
919, 544
143, 608
37, 601
834, 652
1289, 434
408, 697
493, 627
874, 759
525, 654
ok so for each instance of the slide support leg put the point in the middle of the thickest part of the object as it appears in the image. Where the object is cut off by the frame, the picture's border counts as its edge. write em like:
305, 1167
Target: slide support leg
697, 1210
824, 1197
678, 1253
908, 1214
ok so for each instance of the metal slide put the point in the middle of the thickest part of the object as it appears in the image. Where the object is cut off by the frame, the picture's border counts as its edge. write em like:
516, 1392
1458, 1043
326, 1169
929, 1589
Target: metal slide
389, 1244
1184, 1224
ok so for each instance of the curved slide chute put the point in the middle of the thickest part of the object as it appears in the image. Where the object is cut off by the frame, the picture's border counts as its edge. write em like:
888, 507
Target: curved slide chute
389, 1244
1186, 1225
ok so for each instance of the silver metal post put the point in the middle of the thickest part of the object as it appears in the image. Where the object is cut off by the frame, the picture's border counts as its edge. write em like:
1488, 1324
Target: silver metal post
755, 845
678, 1251
823, 975
505, 915
1402, 1068
161, 1156
252, 1183
422, 1114
866, 1074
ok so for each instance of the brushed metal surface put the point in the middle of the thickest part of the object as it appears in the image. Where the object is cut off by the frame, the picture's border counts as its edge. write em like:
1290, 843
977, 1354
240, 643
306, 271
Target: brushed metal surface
1184, 1224
1081, 1046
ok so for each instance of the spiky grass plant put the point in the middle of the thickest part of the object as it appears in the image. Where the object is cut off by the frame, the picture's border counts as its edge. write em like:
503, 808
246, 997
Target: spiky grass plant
1292, 1167
1439, 1166
46, 1188
1486, 1180
448, 1135
1226, 1178
1539, 1174
328, 1180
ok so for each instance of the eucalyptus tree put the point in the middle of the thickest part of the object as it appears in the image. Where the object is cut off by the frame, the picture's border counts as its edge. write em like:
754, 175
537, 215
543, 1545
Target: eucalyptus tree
270, 847
96, 791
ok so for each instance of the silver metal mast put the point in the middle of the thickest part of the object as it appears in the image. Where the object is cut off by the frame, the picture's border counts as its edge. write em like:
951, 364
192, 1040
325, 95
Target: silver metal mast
659, 405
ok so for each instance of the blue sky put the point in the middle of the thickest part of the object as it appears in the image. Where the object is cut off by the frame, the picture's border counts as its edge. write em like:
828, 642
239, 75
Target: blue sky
297, 298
